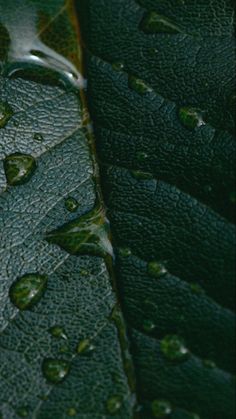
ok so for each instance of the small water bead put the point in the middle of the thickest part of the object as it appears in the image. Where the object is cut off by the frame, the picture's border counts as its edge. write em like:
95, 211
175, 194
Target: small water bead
148, 326
71, 204
196, 289
19, 168
87, 235
156, 269
140, 175
71, 411
55, 370
22, 412
191, 117
125, 252
232, 197
85, 347
161, 408
114, 404
118, 66
64, 349
209, 364
6, 113
57, 332
173, 348
26, 291
153, 22
142, 156
139, 86
38, 137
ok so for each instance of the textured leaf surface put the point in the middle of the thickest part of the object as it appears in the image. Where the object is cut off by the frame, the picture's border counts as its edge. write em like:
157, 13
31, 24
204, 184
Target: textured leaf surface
181, 214
46, 123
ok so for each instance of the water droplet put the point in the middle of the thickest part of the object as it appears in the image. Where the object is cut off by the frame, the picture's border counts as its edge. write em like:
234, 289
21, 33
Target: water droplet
57, 332
64, 349
22, 412
140, 175
191, 117
38, 137
142, 156
87, 235
114, 404
19, 168
148, 326
139, 85
55, 370
6, 113
153, 23
85, 347
161, 408
118, 66
156, 269
26, 291
232, 197
209, 364
71, 204
173, 347
71, 411
125, 252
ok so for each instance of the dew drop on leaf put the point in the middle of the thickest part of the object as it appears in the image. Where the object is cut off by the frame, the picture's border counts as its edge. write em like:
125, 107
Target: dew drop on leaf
148, 326
71, 204
209, 364
55, 370
156, 269
38, 137
153, 23
26, 291
125, 252
19, 168
191, 117
71, 412
161, 408
138, 85
142, 156
57, 332
173, 348
118, 66
22, 412
114, 404
140, 175
85, 347
6, 113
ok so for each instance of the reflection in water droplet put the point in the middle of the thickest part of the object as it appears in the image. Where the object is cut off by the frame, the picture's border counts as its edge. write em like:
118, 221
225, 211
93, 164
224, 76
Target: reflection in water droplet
57, 332
87, 235
85, 347
148, 326
38, 137
71, 204
156, 269
26, 291
19, 168
125, 252
138, 174
55, 370
118, 66
161, 408
71, 411
23, 412
191, 117
173, 347
208, 363
139, 86
114, 404
153, 23
6, 113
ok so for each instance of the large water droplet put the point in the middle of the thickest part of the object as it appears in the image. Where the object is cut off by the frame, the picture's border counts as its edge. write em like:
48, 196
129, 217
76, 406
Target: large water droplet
161, 408
153, 23
173, 347
55, 370
26, 291
6, 113
191, 117
156, 269
85, 347
57, 332
114, 404
19, 168
139, 85
88, 235
71, 204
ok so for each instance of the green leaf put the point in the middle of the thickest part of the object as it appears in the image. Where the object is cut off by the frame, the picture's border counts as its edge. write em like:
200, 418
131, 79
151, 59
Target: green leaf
161, 96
